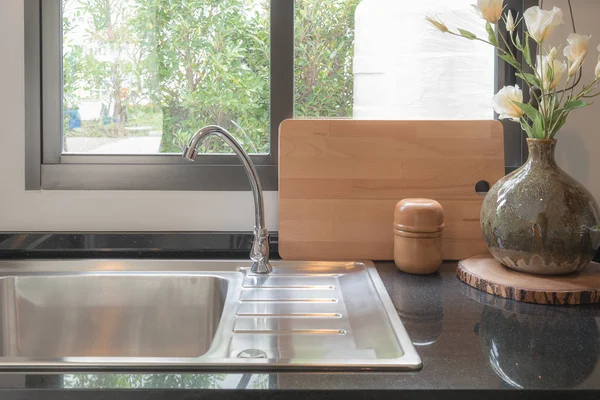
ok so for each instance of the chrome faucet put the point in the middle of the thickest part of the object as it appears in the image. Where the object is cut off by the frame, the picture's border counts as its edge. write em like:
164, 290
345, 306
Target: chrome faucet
260, 246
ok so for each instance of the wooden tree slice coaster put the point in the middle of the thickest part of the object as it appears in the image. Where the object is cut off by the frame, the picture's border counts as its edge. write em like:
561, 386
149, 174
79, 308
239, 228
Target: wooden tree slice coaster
488, 275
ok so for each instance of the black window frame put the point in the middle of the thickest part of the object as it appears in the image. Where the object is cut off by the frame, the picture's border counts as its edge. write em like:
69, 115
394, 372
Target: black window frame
47, 168
515, 144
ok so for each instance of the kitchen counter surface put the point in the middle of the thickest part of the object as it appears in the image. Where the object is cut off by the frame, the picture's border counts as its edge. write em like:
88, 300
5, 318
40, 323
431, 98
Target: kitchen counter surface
472, 344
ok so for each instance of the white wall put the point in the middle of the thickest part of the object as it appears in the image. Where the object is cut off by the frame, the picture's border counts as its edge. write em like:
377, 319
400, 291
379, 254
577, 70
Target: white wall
94, 210
578, 150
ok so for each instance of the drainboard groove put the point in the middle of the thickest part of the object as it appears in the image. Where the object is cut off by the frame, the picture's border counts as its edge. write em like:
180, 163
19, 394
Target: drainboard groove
291, 315
290, 331
312, 276
289, 300
293, 287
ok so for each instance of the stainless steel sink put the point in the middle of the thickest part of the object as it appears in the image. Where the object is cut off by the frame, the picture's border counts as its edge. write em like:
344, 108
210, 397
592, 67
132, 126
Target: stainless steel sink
110, 315
141, 314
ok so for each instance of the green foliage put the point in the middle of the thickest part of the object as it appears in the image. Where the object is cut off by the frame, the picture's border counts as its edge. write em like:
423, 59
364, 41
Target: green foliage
531, 112
517, 42
537, 129
492, 38
213, 67
575, 104
527, 51
511, 60
531, 79
558, 120
527, 128
142, 381
467, 34
324, 52
201, 62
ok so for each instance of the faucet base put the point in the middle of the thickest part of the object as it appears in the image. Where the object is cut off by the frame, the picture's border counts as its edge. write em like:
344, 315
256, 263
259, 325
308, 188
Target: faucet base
260, 252
261, 267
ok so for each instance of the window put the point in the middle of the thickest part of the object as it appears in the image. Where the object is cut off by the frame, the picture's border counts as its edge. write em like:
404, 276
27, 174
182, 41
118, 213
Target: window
115, 88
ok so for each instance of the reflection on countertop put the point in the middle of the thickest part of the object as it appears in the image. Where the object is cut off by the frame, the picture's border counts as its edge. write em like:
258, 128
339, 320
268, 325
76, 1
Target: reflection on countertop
419, 300
535, 346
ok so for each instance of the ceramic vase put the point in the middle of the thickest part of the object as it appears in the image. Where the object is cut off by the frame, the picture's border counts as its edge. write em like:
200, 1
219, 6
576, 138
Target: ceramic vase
538, 219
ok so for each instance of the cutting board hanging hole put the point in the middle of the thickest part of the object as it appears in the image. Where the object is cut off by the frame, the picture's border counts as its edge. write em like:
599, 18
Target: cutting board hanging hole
482, 187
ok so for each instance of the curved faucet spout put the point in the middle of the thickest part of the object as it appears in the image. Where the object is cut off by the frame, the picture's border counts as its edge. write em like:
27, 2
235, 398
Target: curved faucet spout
260, 248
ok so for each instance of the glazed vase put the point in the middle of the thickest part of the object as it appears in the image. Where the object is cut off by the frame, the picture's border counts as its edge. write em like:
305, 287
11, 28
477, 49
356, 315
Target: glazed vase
538, 219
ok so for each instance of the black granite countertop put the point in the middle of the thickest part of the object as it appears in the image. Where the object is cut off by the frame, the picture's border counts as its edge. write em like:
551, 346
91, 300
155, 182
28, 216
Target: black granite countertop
190, 245
472, 344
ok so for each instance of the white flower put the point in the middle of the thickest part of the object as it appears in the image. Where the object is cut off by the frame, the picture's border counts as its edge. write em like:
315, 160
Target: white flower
553, 53
540, 23
551, 71
437, 24
504, 102
576, 51
490, 10
510, 22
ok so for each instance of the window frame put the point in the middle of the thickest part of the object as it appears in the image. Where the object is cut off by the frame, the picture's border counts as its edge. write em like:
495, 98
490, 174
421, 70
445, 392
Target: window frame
48, 169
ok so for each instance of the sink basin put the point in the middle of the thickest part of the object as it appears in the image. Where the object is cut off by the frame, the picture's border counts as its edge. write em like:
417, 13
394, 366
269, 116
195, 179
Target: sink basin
110, 315
195, 315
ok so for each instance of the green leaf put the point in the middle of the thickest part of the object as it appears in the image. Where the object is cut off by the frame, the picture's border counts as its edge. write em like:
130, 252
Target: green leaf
511, 60
467, 34
538, 127
527, 129
531, 79
527, 51
550, 72
529, 110
551, 100
492, 38
575, 104
518, 42
562, 118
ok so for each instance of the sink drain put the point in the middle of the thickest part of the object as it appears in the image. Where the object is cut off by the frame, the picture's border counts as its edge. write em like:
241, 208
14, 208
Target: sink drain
252, 353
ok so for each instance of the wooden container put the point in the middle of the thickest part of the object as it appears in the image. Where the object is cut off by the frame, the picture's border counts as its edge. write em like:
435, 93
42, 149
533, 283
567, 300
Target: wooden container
418, 226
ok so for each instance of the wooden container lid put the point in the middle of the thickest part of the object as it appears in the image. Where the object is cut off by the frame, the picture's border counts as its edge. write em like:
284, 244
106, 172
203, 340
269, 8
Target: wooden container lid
419, 216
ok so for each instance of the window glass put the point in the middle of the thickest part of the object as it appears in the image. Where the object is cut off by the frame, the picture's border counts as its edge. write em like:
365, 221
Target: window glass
380, 59
141, 76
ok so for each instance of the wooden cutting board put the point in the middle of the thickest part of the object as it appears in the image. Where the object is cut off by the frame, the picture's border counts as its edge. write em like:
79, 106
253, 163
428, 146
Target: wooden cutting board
339, 181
